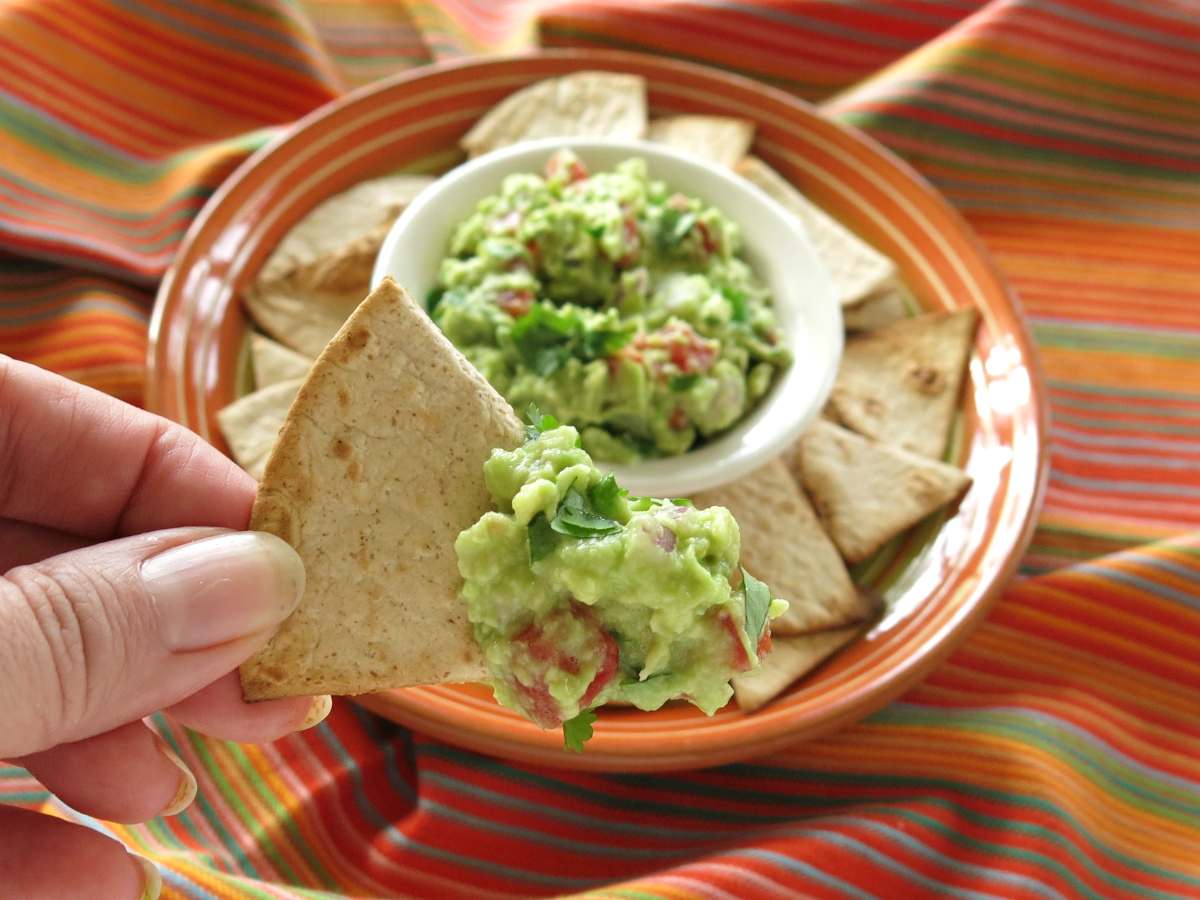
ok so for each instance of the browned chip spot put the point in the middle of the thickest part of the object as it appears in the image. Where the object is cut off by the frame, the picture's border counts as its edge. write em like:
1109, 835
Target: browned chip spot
341, 449
928, 380
354, 471
343, 398
358, 338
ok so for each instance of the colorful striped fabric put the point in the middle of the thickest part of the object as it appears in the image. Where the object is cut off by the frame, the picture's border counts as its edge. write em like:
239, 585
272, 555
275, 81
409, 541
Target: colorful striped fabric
1055, 754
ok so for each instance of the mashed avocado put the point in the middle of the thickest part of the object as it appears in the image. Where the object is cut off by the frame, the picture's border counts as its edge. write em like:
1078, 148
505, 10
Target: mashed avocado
580, 595
613, 303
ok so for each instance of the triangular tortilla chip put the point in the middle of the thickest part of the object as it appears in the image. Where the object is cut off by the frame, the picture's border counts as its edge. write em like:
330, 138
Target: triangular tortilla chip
378, 468
718, 139
322, 268
866, 493
857, 269
274, 362
900, 384
251, 423
339, 221
889, 304
784, 545
789, 659
583, 104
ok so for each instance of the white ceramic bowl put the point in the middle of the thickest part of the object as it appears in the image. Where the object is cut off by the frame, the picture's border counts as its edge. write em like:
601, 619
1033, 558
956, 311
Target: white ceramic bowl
773, 243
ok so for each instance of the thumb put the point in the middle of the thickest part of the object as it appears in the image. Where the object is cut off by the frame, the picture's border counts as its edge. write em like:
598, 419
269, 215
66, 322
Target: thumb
98, 637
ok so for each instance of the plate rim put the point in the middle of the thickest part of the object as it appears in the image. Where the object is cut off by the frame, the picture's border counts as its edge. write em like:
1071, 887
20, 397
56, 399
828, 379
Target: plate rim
864, 699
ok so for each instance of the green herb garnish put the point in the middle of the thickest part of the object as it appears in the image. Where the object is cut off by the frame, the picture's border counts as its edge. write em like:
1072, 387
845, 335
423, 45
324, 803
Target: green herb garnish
675, 226
737, 300
606, 496
683, 382
546, 339
576, 518
682, 501
758, 602
538, 422
541, 538
578, 731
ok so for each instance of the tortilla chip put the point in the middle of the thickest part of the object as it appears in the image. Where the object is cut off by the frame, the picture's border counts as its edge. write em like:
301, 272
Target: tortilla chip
321, 269
887, 305
582, 104
866, 493
784, 545
857, 269
251, 423
900, 384
789, 659
378, 468
274, 362
718, 139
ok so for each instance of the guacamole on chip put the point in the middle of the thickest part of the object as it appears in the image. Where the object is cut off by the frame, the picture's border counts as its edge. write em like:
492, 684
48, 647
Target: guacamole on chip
613, 303
581, 595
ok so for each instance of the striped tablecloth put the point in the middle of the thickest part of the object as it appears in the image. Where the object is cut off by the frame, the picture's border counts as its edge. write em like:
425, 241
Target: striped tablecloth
1056, 753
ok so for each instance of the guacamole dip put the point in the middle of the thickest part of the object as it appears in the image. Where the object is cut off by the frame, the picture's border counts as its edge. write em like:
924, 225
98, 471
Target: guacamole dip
580, 595
613, 303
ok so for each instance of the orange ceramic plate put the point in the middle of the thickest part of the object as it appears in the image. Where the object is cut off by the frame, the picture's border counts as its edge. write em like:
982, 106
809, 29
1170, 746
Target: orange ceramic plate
938, 580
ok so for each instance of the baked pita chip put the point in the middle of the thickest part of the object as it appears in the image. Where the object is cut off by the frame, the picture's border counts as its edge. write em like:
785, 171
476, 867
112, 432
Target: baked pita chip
251, 423
857, 269
719, 139
321, 269
784, 545
901, 383
583, 104
866, 493
273, 362
378, 468
789, 660
888, 305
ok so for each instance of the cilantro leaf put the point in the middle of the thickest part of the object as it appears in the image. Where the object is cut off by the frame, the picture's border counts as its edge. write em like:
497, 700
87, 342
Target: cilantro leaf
682, 501
434, 299
546, 339
683, 382
606, 496
538, 422
578, 731
541, 538
542, 337
758, 601
576, 518
737, 300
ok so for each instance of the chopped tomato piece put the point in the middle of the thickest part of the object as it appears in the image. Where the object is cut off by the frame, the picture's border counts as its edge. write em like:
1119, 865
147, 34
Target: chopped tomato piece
540, 643
606, 673
633, 243
741, 662
568, 162
538, 703
515, 303
706, 239
679, 419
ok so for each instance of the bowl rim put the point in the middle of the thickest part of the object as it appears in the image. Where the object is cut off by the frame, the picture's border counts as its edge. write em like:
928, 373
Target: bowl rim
767, 428
443, 716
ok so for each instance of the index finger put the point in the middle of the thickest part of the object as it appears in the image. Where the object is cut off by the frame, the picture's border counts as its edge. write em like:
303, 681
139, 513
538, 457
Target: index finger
77, 460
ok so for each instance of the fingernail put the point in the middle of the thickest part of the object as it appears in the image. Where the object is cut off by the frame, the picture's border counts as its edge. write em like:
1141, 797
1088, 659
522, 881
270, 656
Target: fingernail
222, 588
321, 707
151, 879
186, 792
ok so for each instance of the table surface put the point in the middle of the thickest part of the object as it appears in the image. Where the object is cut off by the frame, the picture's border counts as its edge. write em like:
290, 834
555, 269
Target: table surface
1053, 754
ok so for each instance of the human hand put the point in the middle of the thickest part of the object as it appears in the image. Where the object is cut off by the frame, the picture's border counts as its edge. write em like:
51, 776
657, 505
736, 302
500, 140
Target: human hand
124, 593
